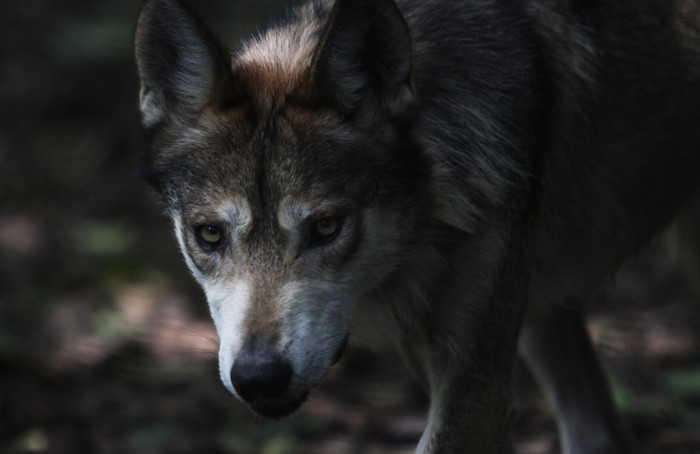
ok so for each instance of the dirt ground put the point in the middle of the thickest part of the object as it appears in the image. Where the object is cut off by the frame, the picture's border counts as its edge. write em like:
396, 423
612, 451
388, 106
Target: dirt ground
105, 342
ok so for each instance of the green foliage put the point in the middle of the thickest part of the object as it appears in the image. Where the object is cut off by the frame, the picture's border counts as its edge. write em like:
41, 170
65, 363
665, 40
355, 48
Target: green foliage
685, 382
103, 240
105, 39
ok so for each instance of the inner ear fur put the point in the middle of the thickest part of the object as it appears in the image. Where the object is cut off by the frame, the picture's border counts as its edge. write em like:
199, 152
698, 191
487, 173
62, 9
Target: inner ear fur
181, 64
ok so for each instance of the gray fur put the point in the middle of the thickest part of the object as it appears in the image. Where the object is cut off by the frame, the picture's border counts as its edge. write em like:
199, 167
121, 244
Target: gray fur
485, 161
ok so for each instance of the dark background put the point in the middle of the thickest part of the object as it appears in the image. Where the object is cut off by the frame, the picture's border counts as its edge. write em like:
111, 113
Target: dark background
105, 341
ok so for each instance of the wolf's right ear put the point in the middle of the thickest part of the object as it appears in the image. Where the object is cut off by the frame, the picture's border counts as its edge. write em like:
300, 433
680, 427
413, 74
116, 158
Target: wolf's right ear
182, 66
364, 57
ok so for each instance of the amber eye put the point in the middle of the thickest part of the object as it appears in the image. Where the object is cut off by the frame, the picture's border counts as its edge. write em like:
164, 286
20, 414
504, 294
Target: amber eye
325, 230
209, 236
327, 227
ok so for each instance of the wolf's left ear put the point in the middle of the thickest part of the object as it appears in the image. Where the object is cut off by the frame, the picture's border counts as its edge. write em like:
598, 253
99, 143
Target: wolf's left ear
182, 66
364, 56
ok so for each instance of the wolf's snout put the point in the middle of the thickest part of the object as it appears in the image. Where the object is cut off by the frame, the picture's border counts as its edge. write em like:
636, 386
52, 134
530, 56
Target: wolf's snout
260, 375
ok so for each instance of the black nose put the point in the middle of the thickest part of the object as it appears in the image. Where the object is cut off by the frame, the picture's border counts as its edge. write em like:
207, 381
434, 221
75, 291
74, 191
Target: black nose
259, 374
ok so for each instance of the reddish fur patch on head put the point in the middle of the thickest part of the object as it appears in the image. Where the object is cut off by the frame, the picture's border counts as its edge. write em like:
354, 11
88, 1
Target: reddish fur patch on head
275, 65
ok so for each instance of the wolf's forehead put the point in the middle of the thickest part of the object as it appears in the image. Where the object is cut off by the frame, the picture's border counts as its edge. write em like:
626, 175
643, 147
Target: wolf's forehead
265, 183
278, 174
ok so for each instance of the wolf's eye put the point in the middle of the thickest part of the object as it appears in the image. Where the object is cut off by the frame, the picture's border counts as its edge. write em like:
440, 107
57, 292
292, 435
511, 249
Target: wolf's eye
209, 236
327, 226
325, 230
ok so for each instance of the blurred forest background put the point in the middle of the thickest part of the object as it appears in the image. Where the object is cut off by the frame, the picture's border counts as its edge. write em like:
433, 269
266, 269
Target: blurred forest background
106, 345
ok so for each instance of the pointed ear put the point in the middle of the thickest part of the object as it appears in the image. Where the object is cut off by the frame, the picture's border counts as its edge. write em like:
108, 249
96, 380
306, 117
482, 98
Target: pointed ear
182, 66
364, 57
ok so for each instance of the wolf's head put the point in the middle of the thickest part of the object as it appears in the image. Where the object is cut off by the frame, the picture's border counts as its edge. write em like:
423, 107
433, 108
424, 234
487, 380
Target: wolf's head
290, 177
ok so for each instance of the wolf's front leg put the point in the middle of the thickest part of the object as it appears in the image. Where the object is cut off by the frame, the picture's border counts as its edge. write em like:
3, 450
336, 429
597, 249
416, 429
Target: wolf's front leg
467, 417
458, 312
464, 350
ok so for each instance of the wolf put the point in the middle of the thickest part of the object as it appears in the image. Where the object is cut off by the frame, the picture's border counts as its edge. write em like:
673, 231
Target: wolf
451, 178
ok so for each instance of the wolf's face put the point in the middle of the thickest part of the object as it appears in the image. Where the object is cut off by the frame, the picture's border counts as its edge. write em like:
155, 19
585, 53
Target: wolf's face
293, 190
285, 232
